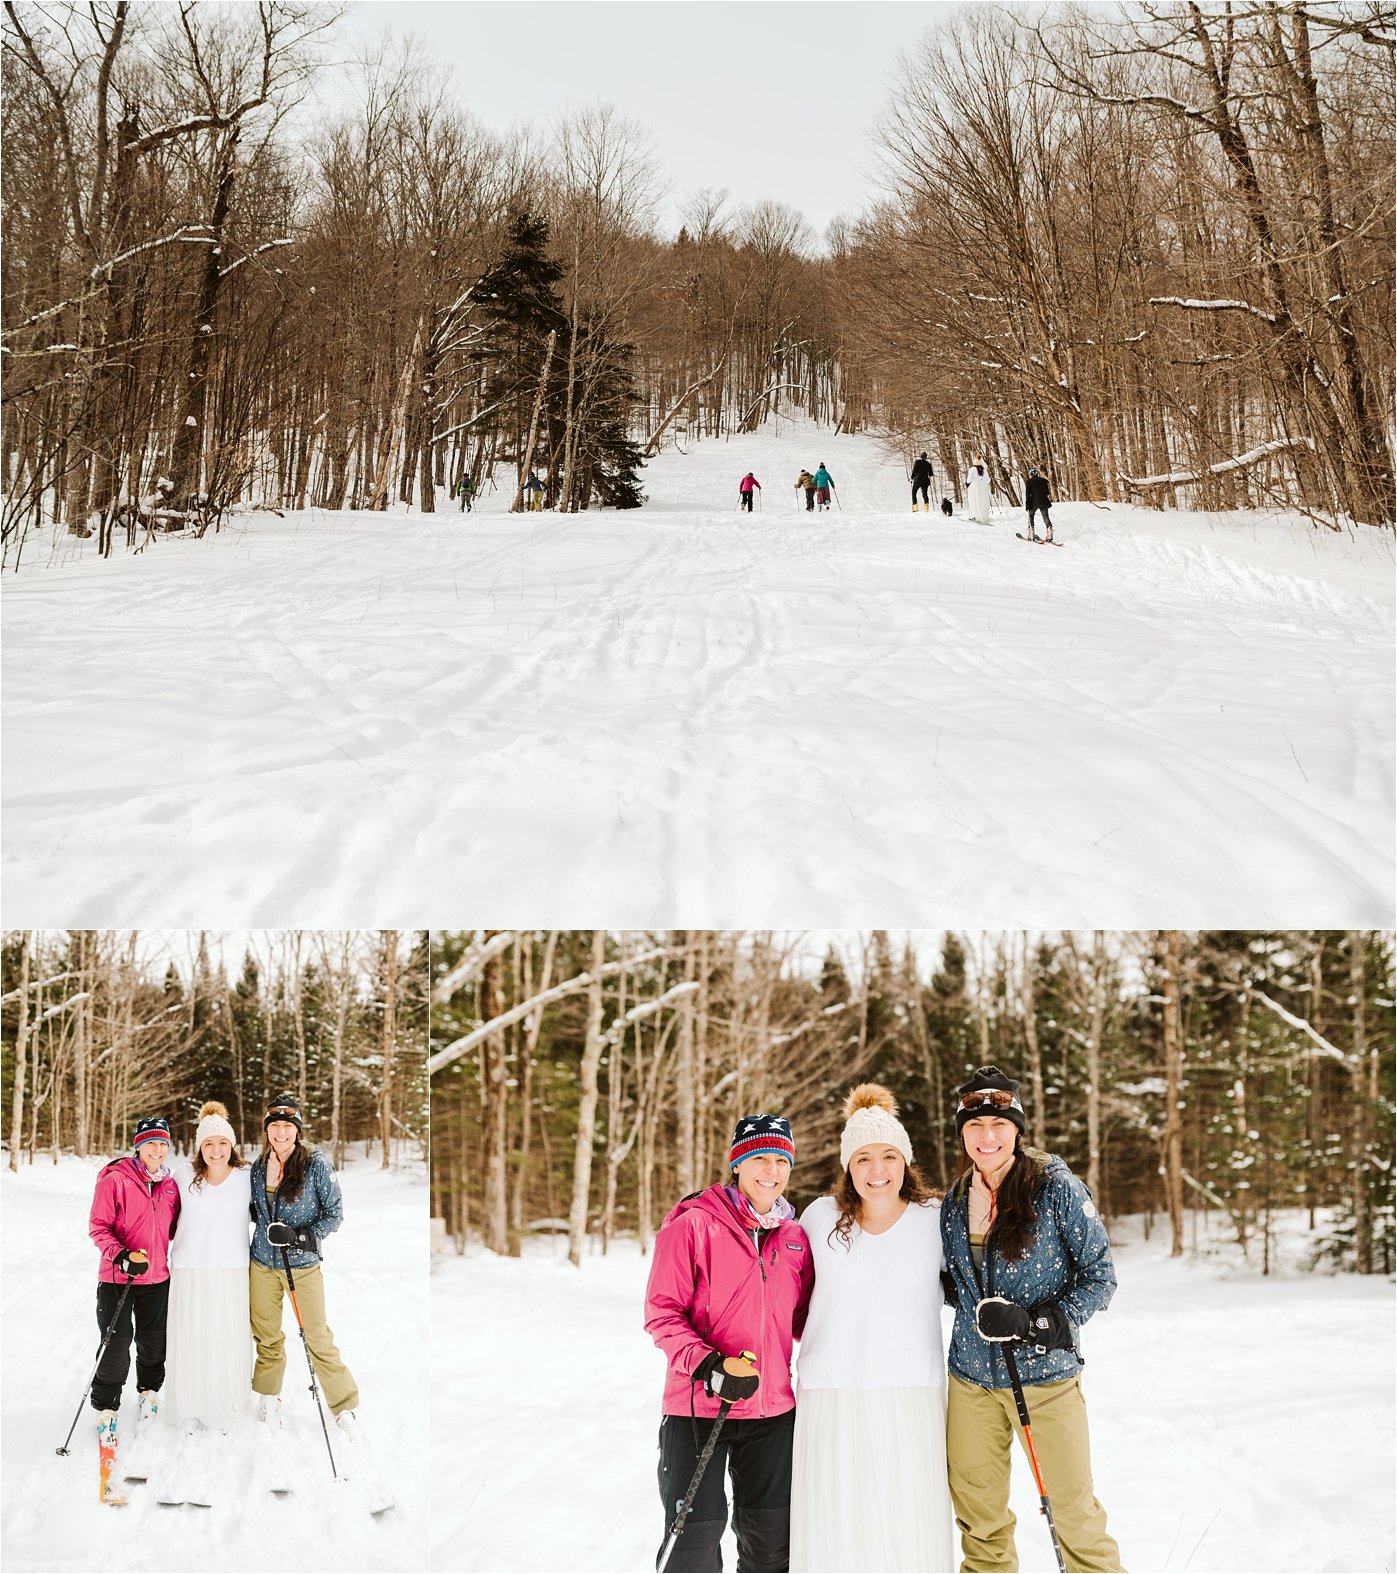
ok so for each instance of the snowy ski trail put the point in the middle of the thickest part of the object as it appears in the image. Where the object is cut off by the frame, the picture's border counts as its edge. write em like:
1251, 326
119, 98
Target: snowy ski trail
376, 1290
788, 719
1231, 1426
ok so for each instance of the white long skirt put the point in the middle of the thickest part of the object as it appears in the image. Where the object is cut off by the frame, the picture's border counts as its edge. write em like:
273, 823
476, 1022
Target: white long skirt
208, 1359
868, 1482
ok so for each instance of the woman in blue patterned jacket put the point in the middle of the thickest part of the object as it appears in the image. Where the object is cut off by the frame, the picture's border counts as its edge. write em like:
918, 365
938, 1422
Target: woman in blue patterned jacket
1030, 1262
296, 1204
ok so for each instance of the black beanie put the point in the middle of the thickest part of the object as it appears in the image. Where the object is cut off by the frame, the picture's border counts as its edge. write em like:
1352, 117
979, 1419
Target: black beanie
286, 1106
991, 1081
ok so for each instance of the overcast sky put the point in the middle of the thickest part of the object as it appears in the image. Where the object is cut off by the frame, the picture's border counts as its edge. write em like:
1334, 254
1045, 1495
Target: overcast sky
768, 99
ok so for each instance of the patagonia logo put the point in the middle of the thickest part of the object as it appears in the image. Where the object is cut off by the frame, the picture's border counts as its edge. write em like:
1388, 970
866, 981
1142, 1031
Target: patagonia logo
793, 1246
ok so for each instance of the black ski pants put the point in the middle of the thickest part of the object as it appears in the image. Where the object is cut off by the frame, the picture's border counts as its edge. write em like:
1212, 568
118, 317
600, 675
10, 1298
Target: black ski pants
810, 500
757, 1455
142, 1319
746, 502
1040, 509
924, 487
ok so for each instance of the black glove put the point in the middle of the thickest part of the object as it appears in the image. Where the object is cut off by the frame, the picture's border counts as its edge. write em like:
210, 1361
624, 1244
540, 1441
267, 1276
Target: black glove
948, 1287
280, 1233
719, 1383
132, 1264
999, 1320
1050, 1328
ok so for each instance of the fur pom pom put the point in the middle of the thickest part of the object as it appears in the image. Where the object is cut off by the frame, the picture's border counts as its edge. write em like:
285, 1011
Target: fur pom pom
213, 1107
869, 1095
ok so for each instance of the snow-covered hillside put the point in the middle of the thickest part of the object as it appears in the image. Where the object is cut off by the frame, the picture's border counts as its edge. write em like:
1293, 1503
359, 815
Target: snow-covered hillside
867, 717
1237, 1422
376, 1294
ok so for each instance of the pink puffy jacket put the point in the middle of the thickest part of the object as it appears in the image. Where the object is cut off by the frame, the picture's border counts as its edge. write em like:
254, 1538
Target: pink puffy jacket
131, 1212
711, 1288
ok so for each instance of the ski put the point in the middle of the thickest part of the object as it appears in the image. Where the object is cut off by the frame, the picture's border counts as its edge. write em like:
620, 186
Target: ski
106, 1460
1039, 541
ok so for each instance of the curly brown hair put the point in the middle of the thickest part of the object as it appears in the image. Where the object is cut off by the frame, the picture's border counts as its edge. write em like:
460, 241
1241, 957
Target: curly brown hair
913, 1189
1015, 1217
235, 1160
201, 1170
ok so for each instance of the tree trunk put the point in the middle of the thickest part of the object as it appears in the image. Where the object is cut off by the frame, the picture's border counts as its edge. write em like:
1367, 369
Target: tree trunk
389, 1040
21, 1040
1173, 1096
1364, 1076
587, 1108
496, 1221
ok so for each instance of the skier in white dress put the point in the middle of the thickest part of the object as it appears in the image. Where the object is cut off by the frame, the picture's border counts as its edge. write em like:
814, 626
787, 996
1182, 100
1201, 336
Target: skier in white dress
977, 492
209, 1378
868, 1487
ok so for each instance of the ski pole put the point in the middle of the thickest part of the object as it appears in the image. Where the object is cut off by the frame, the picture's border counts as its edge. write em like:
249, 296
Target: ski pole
314, 1387
101, 1351
1021, 1403
833, 488
676, 1529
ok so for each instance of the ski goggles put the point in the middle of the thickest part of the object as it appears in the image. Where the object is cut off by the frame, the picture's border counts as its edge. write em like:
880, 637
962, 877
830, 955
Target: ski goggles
990, 1098
282, 1112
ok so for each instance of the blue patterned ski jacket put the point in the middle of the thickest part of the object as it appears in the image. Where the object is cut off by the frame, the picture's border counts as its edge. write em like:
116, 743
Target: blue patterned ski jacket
1069, 1261
319, 1205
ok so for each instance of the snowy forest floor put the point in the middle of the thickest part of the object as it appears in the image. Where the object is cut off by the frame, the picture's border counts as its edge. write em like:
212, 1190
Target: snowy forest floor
377, 1304
1238, 1422
867, 717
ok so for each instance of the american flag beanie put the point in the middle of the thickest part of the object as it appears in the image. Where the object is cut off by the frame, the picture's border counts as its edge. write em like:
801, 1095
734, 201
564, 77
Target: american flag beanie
156, 1129
756, 1134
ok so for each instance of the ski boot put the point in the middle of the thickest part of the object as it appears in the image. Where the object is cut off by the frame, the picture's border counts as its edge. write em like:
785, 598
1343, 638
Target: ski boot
150, 1405
347, 1424
269, 1411
106, 1459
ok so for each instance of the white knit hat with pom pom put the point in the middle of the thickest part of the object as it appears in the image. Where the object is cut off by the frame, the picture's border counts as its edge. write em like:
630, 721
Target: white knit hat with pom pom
870, 1115
213, 1122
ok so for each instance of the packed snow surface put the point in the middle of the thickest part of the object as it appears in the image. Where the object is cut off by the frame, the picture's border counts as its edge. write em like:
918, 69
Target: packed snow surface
376, 1291
1237, 1422
685, 714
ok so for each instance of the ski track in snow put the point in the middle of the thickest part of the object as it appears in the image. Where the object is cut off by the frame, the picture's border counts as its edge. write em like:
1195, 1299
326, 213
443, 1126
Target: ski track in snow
377, 1305
1232, 1427
862, 717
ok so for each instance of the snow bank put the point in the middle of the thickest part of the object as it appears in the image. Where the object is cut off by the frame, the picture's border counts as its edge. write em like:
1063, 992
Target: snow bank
1237, 1422
376, 1292
863, 718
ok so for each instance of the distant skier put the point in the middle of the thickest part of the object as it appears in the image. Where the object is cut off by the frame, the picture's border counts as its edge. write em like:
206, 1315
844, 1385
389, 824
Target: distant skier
921, 482
135, 1209
536, 490
745, 487
1037, 501
823, 482
465, 490
977, 492
806, 481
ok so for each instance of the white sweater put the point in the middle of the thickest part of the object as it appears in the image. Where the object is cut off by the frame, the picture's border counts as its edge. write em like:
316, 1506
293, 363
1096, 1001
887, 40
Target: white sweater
875, 1312
213, 1229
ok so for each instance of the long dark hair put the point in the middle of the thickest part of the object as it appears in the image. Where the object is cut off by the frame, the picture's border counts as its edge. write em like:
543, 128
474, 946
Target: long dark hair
914, 1189
293, 1168
1015, 1217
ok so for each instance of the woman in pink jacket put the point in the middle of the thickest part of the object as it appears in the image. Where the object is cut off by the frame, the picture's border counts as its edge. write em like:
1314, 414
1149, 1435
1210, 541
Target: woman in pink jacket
731, 1274
134, 1210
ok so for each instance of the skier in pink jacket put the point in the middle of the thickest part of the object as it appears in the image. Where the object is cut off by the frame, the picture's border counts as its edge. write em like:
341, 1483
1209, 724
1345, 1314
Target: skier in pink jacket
134, 1211
731, 1273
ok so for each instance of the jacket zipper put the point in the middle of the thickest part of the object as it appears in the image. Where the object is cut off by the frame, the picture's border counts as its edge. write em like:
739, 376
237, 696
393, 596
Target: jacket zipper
761, 1341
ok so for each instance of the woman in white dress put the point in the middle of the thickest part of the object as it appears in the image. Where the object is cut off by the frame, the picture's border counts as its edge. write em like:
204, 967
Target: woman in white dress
977, 492
209, 1376
868, 1487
